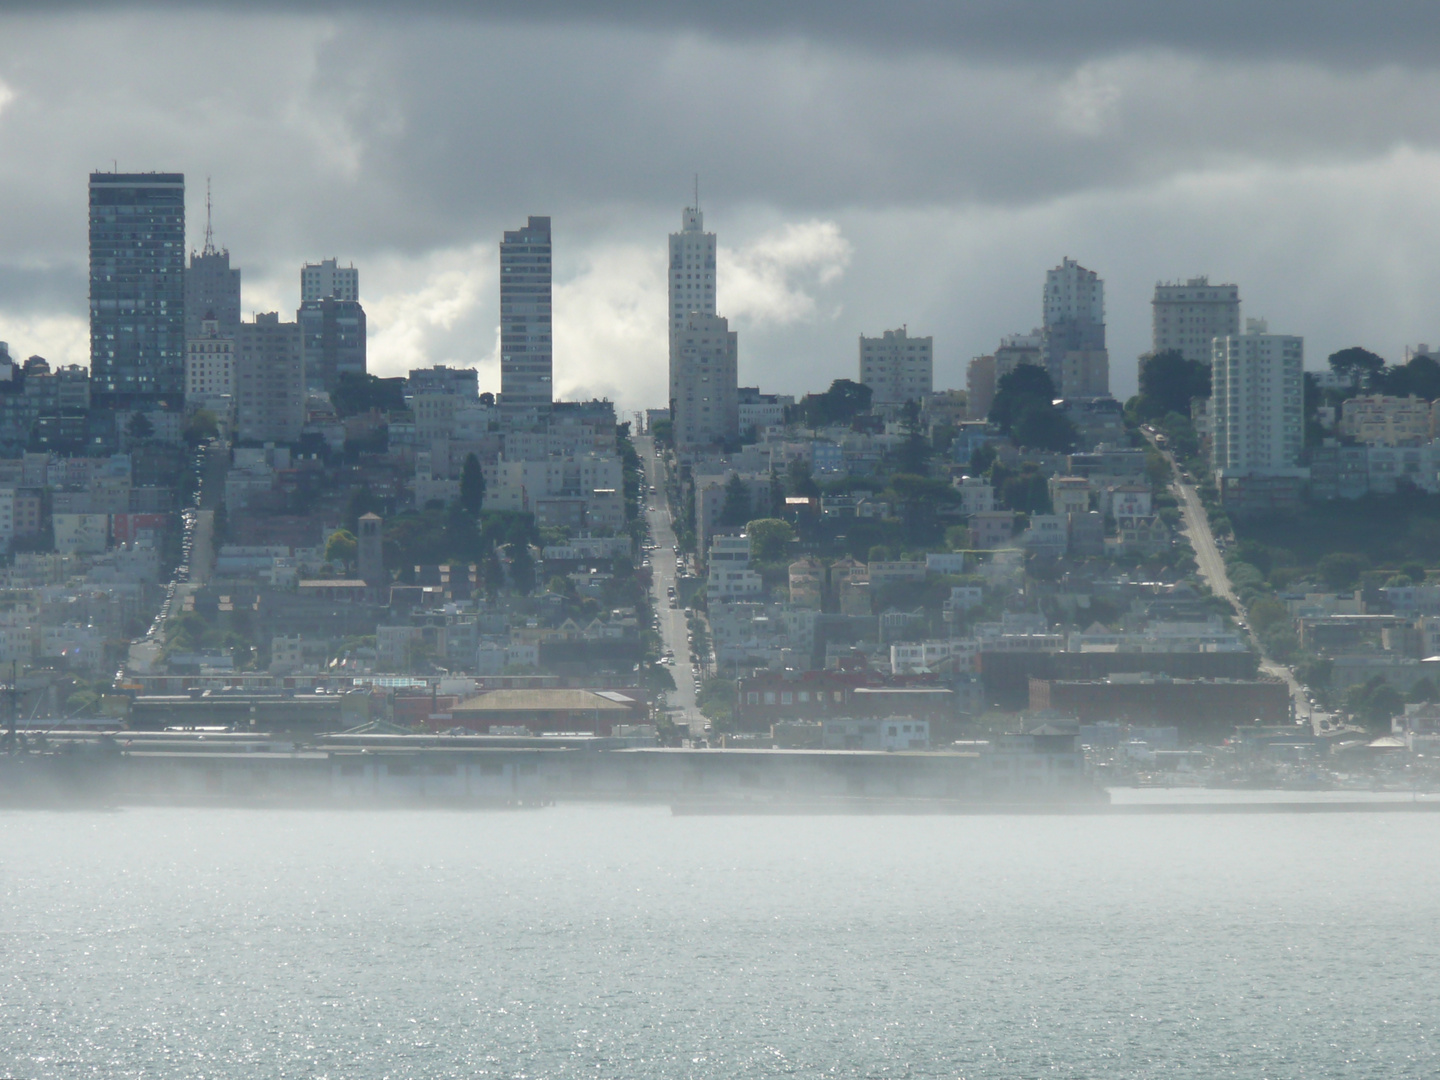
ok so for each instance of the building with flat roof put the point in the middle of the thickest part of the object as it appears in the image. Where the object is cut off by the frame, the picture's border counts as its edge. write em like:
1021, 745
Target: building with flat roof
1074, 309
527, 358
897, 367
1256, 404
137, 287
1188, 318
328, 279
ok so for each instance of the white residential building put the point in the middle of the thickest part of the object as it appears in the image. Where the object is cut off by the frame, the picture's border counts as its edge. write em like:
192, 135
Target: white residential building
704, 386
209, 366
327, 278
897, 367
1257, 393
730, 577
977, 496
1188, 318
1074, 309
692, 272
704, 383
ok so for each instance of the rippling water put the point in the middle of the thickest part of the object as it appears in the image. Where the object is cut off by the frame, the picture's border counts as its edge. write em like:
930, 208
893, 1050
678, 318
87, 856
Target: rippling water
621, 942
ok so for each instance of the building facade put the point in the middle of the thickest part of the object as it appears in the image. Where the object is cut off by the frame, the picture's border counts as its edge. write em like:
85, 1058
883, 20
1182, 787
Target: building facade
897, 367
212, 291
137, 286
328, 279
527, 356
1074, 309
269, 380
1257, 409
704, 383
1188, 318
209, 365
332, 339
692, 272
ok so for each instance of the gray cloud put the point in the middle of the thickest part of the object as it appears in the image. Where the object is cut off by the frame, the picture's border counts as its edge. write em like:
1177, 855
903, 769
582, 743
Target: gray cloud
955, 152
1332, 31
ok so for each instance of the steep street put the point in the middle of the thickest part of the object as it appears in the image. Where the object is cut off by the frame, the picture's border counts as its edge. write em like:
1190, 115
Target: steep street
1196, 527
672, 620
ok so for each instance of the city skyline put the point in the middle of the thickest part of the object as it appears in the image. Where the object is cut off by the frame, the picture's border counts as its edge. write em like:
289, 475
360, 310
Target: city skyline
816, 250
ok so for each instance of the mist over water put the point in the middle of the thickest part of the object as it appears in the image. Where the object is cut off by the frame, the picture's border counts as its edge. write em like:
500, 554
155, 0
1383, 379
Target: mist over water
622, 942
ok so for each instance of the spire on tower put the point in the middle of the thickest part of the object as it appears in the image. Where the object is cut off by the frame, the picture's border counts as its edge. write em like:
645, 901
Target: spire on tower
209, 248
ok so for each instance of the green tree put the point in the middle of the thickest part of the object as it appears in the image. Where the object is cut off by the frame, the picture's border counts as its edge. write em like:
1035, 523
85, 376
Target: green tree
1356, 360
1421, 377
1168, 382
341, 548
844, 401
1042, 426
202, 426
915, 450
1341, 570
1024, 409
355, 394
522, 569
770, 539
1374, 704
736, 508
799, 481
139, 428
472, 485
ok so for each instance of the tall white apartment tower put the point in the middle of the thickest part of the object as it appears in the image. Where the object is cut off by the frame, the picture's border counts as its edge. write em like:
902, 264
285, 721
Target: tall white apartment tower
1075, 353
1188, 318
897, 368
692, 270
1257, 401
704, 383
704, 380
326, 279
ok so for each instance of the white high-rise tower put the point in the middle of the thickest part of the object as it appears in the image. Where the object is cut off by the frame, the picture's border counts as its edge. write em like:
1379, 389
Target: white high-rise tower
703, 378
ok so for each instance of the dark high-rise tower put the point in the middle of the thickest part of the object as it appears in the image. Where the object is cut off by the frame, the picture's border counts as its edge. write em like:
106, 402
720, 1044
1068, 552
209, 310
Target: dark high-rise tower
137, 287
526, 351
212, 286
333, 339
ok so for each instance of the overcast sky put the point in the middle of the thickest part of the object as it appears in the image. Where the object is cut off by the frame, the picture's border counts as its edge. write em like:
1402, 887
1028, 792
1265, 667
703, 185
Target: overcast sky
915, 163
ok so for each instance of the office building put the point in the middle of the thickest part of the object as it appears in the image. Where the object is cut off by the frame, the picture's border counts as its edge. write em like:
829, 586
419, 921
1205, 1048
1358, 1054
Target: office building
1074, 309
212, 288
1188, 318
897, 367
705, 384
1256, 405
333, 340
209, 365
269, 381
328, 279
526, 345
137, 287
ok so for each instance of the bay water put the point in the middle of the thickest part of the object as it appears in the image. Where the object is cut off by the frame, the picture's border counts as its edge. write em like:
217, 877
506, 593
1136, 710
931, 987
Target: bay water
619, 941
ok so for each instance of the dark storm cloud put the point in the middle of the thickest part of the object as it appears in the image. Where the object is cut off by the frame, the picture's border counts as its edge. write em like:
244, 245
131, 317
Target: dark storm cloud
1334, 31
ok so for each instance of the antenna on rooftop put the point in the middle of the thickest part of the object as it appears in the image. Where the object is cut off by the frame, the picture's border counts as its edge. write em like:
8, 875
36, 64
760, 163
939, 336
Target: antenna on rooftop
697, 191
209, 248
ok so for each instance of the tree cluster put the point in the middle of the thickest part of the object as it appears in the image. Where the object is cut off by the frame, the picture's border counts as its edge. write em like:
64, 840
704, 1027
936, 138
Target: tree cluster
844, 401
1024, 409
1168, 383
356, 394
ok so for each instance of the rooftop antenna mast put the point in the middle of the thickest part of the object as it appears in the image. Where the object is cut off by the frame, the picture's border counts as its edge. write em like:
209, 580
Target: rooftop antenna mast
697, 191
209, 235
